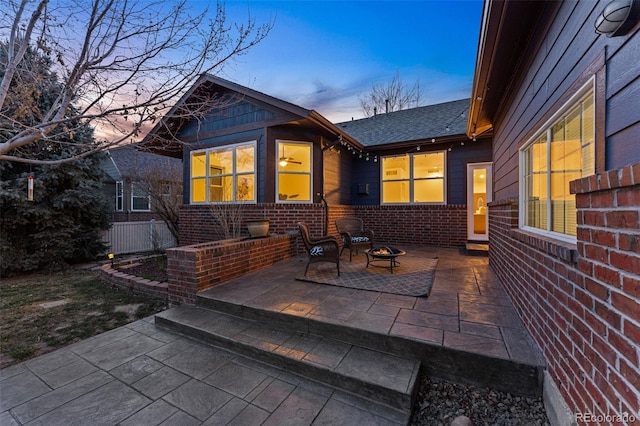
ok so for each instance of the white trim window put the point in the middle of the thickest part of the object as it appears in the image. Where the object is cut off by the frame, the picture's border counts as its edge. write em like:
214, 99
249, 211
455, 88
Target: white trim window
224, 174
140, 198
294, 177
414, 179
562, 151
119, 196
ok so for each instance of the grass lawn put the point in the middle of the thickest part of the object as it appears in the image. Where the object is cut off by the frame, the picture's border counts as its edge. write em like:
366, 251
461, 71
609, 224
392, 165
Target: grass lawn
43, 312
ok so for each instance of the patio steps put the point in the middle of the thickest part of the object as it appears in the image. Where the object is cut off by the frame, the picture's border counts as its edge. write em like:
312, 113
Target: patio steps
383, 378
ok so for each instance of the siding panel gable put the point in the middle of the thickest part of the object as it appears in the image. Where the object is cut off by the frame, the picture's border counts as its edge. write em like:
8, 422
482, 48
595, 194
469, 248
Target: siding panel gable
237, 114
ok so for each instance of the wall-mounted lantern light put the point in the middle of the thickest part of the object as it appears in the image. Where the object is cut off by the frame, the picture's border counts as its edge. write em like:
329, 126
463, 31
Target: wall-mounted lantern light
617, 17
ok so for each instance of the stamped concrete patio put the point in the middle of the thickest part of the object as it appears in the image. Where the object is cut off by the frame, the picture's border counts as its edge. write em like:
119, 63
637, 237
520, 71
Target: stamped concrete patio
467, 330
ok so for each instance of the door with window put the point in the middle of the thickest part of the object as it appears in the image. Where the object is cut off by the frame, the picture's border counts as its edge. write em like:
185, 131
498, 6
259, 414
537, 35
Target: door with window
478, 196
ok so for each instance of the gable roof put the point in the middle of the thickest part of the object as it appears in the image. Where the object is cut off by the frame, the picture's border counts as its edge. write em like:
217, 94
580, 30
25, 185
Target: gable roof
156, 139
444, 120
129, 161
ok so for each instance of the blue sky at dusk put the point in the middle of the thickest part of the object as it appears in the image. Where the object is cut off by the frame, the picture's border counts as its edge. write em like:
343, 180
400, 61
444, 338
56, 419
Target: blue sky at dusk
322, 55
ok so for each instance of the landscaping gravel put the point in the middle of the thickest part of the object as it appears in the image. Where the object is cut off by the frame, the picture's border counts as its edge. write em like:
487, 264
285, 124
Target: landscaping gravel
439, 402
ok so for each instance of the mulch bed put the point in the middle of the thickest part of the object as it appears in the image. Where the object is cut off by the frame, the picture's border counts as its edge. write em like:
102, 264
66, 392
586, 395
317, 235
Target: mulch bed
154, 269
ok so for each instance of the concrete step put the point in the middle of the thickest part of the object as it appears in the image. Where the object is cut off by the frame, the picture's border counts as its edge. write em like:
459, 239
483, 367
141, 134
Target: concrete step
381, 377
437, 360
477, 248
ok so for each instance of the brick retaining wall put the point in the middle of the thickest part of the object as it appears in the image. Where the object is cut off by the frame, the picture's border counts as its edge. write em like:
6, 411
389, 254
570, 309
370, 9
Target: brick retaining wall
200, 266
581, 302
112, 276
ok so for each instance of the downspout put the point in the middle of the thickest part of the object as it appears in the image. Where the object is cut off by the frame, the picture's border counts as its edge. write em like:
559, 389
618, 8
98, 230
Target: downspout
326, 213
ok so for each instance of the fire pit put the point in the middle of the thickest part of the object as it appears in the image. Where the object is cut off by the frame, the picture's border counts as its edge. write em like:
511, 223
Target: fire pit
384, 254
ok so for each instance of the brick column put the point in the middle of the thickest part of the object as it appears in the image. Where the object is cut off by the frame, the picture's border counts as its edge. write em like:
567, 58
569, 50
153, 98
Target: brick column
609, 246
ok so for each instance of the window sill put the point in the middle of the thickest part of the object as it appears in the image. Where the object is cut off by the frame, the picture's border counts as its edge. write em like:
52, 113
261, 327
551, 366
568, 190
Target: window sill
564, 251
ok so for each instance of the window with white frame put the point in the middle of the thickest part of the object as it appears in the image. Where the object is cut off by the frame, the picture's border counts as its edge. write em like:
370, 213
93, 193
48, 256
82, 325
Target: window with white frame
414, 179
562, 151
294, 172
140, 199
224, 174
119, 196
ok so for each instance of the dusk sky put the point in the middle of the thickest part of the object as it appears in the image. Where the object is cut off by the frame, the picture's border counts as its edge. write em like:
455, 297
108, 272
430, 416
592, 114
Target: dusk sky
322, 55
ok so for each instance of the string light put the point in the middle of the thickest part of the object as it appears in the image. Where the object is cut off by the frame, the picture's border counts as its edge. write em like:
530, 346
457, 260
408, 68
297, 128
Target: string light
355, 151
448, 126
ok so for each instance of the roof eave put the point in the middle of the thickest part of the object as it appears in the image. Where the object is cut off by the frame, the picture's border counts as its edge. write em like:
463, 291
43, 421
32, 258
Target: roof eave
321, 121
170, 149
436, 140
504, 34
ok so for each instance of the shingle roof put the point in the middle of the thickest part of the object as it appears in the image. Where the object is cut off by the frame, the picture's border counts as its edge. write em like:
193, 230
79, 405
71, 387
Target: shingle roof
132, 162
413, 124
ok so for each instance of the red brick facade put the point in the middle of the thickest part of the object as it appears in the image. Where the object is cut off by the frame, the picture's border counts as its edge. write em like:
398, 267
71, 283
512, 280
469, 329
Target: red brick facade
443, 226
581, 303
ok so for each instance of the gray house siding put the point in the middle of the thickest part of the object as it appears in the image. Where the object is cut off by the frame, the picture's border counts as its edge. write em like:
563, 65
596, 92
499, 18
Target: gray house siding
567, 49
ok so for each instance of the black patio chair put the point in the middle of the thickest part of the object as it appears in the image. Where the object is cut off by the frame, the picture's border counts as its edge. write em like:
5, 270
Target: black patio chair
353, 234
321, 249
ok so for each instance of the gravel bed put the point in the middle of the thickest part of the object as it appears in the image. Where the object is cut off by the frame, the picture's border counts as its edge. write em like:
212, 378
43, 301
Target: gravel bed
439, 402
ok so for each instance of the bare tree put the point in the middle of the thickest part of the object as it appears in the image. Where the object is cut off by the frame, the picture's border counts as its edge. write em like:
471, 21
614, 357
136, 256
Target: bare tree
163, 182
393, 96
121, 63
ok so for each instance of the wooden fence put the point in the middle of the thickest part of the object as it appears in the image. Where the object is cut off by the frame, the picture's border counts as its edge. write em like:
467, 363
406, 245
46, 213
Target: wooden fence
133, 237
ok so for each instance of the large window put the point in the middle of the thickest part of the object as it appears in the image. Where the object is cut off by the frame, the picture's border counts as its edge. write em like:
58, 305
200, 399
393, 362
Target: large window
225, 174
561, 152
294, 172
140, 199
414, 179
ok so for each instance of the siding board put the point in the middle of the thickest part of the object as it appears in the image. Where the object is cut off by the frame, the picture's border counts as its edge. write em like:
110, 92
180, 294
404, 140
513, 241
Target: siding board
568, 50
623, 65
622, 148
624, 109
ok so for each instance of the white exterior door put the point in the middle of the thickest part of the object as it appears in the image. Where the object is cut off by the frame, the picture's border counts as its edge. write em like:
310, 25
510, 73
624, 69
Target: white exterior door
479, 194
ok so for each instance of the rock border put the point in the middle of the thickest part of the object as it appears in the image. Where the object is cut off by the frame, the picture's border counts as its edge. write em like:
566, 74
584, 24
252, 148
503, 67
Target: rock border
110, 275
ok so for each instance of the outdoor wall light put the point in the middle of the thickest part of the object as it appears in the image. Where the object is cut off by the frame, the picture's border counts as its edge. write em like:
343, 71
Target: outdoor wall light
617, 18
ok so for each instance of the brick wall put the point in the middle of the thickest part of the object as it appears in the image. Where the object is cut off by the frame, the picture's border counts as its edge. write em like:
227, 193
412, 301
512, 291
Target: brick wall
581, 302
197, 267
444, 226
197, 224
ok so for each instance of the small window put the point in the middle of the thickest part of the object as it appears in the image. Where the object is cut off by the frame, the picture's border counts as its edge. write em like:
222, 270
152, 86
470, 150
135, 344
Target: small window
561, 152
294, 177
224, 175
414, 179
119, 196
140, 199
166, 191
